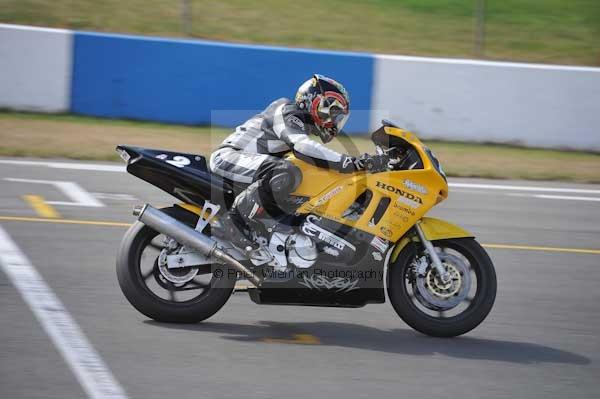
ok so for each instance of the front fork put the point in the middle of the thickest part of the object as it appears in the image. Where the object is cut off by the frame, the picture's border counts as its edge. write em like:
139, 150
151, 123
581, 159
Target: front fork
437, 262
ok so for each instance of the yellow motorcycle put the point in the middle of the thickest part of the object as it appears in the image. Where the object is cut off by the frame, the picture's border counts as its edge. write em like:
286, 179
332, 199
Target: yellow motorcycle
351, 237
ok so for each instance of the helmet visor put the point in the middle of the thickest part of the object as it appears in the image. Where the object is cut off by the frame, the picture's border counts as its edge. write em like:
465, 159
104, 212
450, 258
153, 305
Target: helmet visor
340, 119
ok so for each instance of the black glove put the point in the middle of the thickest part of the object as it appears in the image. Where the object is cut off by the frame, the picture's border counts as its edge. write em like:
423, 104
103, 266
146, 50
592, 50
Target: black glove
376, 163
361, 161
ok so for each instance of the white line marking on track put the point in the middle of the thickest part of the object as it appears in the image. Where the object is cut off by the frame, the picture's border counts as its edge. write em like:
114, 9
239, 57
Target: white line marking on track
116, 197
564, 197
72, 190
87, 365
557, 197
67, 165
524, 188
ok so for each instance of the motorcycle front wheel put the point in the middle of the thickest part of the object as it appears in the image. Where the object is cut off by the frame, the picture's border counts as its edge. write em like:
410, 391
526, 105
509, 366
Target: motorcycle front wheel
437, 308
183, 295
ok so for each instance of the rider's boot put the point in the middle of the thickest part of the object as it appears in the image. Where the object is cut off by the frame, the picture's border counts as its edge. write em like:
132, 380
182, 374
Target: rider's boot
235, 231
238, 223
259, 201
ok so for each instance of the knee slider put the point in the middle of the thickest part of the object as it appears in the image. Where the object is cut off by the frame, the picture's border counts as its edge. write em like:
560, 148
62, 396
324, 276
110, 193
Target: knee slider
285, 179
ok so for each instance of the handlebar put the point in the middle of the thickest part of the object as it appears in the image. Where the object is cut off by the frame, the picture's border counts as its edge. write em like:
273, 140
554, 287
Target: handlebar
376, 163
391, 160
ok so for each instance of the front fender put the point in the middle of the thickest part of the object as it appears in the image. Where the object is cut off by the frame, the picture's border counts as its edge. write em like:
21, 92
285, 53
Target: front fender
434, 229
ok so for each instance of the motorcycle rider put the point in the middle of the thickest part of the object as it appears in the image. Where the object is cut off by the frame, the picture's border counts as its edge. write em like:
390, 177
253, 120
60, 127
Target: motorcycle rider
253, 154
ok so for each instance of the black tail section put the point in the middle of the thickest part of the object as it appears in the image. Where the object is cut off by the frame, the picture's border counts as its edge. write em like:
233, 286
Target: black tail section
184, 176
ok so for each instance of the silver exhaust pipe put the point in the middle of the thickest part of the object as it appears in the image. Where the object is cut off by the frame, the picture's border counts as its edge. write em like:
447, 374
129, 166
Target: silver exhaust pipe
185, 235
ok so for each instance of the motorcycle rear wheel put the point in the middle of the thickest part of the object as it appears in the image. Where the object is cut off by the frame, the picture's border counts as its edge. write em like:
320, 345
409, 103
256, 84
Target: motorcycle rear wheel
408, 302
216, 289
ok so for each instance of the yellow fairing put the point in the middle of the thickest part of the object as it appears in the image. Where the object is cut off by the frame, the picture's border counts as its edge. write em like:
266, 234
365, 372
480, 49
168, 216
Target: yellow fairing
434, 229
398, 199
438, 229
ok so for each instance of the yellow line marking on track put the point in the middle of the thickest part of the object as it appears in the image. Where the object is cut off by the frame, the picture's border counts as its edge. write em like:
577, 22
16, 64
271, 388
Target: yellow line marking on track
241, 287
41, 207
64, 221
302, 339
121, 224
543, 249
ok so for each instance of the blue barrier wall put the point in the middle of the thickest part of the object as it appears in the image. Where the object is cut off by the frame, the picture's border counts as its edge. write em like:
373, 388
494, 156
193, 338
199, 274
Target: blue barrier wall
183, 81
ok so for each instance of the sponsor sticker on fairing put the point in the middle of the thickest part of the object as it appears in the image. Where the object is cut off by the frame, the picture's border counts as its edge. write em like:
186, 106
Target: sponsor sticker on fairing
311, 229
410, 199
328, 196
331, 251
411, 185
405, 209
409, 202
387, 232
379, 244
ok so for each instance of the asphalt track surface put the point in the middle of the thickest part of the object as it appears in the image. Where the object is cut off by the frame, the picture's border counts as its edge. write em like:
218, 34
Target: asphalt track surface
542, 338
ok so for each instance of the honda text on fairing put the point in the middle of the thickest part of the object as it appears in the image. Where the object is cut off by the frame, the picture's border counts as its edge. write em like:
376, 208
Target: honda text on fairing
352, 236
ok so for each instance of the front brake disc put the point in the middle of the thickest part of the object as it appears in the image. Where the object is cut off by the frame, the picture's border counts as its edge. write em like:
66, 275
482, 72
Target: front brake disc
437, 295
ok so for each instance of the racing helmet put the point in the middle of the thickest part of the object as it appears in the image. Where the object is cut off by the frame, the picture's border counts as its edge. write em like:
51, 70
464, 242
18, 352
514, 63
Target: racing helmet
328, 104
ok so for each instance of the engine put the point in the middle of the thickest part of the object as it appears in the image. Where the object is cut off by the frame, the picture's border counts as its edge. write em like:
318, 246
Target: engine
302, 251
314, 241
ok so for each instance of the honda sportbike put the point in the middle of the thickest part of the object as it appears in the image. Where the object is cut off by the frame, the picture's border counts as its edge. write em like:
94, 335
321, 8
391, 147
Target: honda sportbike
350, 239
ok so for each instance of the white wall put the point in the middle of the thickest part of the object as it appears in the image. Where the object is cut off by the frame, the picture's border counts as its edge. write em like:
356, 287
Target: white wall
35, 68
535, 105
